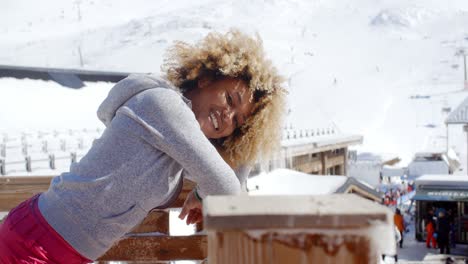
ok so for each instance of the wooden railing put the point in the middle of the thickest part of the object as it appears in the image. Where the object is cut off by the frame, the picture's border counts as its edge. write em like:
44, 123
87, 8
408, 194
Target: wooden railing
249, 229
339, 228
149, 241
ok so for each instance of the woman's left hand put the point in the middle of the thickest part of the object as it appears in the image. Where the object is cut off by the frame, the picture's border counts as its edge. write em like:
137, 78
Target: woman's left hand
192, 209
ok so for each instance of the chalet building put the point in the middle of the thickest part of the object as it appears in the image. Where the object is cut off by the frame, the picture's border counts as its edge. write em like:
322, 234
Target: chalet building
373, 168
427, 163
457, 135
322, 151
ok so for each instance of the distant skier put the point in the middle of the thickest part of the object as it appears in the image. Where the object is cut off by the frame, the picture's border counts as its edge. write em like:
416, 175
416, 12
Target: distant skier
443, 231
400, 224
430, 229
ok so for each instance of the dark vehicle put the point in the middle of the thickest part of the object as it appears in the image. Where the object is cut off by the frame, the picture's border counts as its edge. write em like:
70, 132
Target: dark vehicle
447, 193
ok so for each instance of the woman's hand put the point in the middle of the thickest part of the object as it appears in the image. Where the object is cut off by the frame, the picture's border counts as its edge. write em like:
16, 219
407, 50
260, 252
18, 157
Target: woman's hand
192, 209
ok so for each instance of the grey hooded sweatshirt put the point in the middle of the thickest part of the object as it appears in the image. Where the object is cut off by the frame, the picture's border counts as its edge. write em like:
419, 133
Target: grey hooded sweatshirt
151, 139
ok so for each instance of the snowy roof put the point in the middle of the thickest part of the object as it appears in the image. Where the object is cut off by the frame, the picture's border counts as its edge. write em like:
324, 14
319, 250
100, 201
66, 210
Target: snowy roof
71, 78
443, 178
459, 115
433, 167
312, 144
291, 182
41, 104
442, 188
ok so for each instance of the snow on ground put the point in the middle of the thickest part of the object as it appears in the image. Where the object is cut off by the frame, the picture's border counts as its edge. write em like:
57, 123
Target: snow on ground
415, 251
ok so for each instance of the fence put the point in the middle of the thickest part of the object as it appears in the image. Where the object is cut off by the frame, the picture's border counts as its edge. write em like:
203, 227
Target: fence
248, 229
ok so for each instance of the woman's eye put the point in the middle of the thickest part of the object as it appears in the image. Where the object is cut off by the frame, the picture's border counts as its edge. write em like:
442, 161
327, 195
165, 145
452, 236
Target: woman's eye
229, 99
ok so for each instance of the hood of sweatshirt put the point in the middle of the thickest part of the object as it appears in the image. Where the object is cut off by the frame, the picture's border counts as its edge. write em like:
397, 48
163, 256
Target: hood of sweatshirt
126, 89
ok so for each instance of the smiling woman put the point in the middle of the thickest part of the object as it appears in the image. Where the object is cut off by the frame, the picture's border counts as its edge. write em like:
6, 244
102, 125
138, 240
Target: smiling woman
229, 63
221, 105
220, 96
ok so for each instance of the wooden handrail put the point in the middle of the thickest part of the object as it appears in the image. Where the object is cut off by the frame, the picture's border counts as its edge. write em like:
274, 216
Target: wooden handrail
15, 189
339, 228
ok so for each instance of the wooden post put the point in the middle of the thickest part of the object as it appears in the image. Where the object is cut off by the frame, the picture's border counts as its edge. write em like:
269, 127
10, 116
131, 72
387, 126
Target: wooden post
345, 163
2, 166
324, 156
296, 229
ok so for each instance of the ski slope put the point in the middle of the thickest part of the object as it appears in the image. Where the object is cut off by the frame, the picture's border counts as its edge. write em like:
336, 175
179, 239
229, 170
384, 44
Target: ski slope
356, 64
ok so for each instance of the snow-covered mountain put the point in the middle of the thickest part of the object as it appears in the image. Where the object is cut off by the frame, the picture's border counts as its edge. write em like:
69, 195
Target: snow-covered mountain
380, 68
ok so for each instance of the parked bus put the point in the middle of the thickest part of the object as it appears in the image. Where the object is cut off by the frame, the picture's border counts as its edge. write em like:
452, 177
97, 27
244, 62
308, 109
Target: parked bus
448, 193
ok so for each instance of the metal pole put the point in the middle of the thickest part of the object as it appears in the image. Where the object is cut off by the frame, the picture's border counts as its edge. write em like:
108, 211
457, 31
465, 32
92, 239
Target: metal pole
465, 128
447, 138
464, 63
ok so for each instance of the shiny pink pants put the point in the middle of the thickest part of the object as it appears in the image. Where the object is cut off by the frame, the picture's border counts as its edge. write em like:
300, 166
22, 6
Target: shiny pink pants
27, 238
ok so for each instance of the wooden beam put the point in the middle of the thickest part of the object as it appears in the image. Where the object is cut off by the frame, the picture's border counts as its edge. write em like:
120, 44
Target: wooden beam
14, 190
363, 194
155, 221
290, 211
158, 248
324, 160
315, 165
336, 160
186, 189
295, 229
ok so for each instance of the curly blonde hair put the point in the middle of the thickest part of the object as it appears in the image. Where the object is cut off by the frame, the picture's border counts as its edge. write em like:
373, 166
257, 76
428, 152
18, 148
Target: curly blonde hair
238, 55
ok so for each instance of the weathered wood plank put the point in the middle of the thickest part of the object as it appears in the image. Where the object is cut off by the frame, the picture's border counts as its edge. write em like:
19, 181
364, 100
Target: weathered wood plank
186, 189
10, 201
265, 211
14, 190
158, 248
155, 221
336, 160
296, 229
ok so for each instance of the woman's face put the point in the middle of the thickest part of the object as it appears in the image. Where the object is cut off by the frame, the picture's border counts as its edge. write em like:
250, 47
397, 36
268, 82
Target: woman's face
220, 106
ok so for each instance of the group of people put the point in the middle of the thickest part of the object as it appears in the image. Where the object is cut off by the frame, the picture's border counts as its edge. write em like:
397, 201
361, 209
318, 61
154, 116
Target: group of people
394, 194
439, 228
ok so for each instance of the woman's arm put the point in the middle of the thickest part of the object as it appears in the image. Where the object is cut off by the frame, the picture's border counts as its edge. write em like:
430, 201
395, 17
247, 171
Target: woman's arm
161, 118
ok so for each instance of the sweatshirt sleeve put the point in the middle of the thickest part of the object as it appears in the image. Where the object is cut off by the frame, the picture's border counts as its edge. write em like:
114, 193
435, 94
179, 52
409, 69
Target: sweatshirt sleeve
161, 118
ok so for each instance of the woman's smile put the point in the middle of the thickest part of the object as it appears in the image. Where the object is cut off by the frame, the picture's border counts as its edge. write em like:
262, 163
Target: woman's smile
220, 106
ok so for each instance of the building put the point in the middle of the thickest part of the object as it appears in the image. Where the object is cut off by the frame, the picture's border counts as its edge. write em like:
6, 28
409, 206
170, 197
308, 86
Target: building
373, 168
291, 182
457, 134
314, 151
425, 163
442, 192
